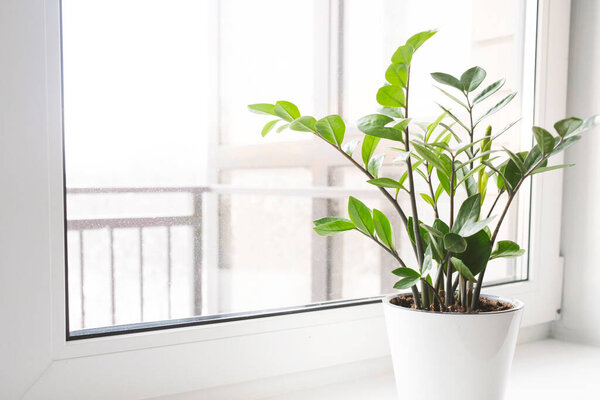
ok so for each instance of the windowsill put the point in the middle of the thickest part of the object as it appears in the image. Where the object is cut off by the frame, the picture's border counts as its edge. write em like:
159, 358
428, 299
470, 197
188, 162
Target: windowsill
548, 369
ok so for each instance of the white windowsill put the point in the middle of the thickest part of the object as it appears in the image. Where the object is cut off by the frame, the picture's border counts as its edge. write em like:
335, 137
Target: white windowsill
548, 369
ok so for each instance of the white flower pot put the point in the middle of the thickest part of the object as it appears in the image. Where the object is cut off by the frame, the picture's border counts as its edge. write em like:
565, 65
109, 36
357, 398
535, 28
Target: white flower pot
452, 356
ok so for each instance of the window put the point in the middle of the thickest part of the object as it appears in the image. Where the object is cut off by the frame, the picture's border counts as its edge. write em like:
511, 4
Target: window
177, 208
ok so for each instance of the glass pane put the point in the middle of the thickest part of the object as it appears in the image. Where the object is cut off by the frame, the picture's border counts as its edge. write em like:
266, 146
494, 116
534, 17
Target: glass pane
178, 208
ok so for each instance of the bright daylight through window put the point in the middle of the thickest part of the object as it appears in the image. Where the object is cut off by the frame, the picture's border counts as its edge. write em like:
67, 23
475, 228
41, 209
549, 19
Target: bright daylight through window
177, 208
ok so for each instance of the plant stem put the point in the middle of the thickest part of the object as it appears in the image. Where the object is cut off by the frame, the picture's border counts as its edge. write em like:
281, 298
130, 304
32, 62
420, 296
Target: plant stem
435, 293
432, 193
463, 292
449, 288
495, 201
411, 183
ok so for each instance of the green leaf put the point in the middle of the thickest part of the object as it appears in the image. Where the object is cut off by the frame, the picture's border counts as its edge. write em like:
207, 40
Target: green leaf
327, 219
500, 105
332, 129
462, 269
386, 183
427, 260
551, 168
374, 125
349, 147
472, 78
303, 124
394, 112
589, 123
566, 144
281, 128
397, 74
447, 79
431, 158
360, 214
286, 110
375, 165
567, 126
368, 148
433, 231
508, 249
269, 127
472, 227
455, 118
334, 227
544, 139
454, 243
488, 91
478, 251
383, 228
406, 283
452, 97
405, 272
464, 175
403, 55
391, 96
511, 174
516, 160
418, 39
468, 213
262, 108
428, 199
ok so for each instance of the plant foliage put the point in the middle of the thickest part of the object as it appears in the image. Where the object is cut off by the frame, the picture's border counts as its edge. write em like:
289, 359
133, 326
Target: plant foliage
454, 157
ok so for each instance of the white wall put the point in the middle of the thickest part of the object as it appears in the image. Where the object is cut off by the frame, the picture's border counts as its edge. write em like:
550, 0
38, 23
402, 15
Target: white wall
581, 199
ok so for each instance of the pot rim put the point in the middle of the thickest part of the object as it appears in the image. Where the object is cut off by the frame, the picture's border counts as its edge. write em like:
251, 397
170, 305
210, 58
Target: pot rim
517, 306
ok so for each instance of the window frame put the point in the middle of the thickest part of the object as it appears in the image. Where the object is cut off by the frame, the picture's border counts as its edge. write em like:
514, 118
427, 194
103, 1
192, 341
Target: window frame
269, 346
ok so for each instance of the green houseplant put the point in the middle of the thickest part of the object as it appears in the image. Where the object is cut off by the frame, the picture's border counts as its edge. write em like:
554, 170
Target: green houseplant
451, 154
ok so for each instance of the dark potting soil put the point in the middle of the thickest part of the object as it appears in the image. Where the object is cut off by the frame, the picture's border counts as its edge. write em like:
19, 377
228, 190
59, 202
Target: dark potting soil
485, 305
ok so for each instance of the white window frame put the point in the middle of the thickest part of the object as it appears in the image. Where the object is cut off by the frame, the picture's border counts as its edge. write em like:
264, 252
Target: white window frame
179, 360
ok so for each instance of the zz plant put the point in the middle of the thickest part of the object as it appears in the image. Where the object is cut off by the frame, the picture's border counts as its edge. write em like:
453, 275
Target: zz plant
449, 154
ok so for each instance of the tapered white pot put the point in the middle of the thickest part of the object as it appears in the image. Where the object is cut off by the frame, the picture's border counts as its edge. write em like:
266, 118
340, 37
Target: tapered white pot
451, 356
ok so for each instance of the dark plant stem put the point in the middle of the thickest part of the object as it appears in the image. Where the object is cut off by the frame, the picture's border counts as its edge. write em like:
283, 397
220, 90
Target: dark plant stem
495, 202
432, 193
435, 293
463, 292
393, 252
449, 288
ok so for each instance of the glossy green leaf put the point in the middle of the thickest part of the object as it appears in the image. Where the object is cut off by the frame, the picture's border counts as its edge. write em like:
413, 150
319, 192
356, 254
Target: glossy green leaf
428, 199
472, 227
375, 164
551, 168
383, 228
456, 119
286, 110
322, 221
269, 127
568, 142
516, 160
397, 74
303, 124
500, 105
448, 79
394, 112
454, 243
360, 214
406, 283
332, 129
403, 55
452, 97
334, 227
544, 140
478, 251
464, 175
508, 249
468, 213
427, 260
391, 96
405, 272
374, 125
472, 78
262, 108
565, 127
462, 269
349, 147
386, 183
368, 148
488, 91
431, 157
418, 39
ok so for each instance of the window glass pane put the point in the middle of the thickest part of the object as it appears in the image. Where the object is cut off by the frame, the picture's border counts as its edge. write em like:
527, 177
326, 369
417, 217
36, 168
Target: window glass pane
178, 208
